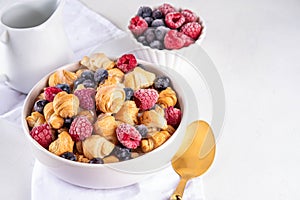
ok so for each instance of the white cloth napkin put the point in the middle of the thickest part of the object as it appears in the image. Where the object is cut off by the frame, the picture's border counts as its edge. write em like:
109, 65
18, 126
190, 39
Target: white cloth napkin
160, 186
87, 30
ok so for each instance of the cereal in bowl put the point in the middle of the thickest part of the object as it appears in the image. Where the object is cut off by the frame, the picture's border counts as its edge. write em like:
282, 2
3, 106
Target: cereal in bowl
107, 110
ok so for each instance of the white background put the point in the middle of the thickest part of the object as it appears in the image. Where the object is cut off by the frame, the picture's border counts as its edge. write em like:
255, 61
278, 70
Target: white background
255, 47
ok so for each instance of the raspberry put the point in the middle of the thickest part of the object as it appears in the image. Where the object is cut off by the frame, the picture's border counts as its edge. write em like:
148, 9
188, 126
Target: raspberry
145, 98
128, 136
174, 20
80, 128
50, 93
191, 29
137, 25
166, 8
126, 62
173, 116
176, 40
189, 16
86, 98
42, 134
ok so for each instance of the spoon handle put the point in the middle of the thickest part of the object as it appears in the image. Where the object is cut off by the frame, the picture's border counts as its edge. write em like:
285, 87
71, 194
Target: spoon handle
178, 193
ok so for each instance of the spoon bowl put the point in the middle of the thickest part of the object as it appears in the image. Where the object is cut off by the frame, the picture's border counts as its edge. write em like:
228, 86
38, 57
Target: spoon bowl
195, 155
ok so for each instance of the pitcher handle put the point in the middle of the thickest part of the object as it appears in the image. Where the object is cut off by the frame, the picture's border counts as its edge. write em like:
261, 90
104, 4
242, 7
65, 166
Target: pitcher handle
3, 36
3, 39
3, 78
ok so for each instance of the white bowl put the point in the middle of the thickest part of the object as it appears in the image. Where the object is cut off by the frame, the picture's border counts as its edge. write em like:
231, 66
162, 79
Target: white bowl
124, 173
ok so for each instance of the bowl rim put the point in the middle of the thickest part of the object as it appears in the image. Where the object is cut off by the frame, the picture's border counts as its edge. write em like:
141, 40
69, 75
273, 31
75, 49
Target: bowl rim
74, 66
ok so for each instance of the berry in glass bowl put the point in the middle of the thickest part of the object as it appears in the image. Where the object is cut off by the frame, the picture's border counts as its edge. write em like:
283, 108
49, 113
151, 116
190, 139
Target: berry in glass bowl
166, 27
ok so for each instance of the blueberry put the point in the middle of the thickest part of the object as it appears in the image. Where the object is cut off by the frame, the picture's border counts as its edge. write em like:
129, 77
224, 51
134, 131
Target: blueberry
142, 39
68, 122
96, 161
78, 82
144, 11
39, 105
140, 11
158, 22
142, 129
160, 32
100, 75
156, 44
148, 20
121, 153
161, 82
88, 83
69, 156
149, 34
129, 93
87, 74
157, 14
64, 87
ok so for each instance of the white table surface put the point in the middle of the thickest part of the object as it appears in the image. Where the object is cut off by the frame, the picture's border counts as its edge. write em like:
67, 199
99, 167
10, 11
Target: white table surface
255, 47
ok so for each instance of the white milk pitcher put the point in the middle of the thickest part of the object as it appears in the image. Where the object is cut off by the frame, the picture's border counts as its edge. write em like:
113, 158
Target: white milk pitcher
33, 42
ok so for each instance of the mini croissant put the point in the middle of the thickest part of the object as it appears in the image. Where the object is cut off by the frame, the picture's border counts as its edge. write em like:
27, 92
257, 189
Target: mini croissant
154, 118
66, 105
91, 115
167, 98
96, 61
154, 141
62, 76
106, 126
51, 117
35, 119
109, 81
62, 144
116, 73
128, 113
139, 78
109, 99
96, 146
115, 76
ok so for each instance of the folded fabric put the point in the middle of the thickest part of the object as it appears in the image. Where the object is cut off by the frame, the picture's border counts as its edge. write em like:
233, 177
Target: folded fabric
11, 104
160, 186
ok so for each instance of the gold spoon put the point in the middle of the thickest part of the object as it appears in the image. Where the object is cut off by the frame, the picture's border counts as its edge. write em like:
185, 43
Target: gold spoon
194, 156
